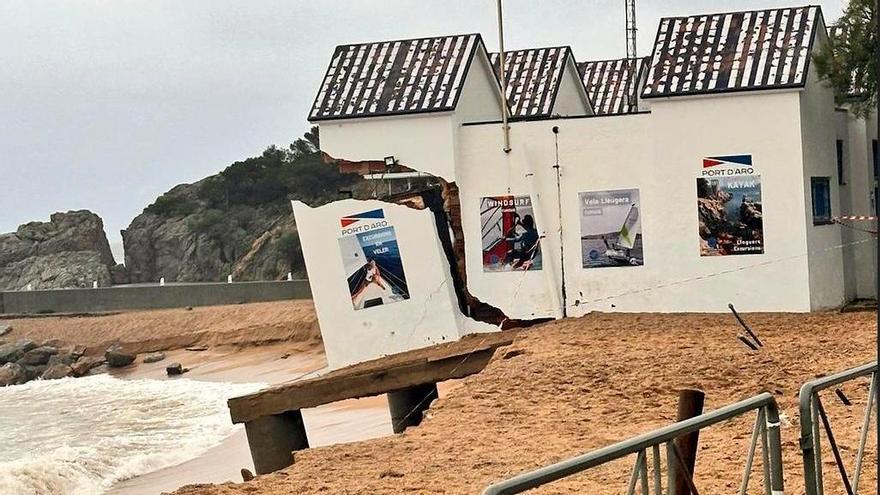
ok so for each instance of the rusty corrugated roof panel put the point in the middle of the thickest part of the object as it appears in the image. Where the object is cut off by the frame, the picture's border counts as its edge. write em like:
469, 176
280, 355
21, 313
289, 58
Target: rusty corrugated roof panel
761, 49
533, 79
611, 84
395, 77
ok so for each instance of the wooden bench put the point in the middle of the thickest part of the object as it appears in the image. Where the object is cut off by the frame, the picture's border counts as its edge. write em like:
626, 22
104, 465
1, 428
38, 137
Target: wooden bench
273, 419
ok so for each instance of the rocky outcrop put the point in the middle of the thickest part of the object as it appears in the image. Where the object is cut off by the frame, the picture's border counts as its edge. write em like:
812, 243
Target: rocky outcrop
24, 360
208, 244
71, 250
238, 222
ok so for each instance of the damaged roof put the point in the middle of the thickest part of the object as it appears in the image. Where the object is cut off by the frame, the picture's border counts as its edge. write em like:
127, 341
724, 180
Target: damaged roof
761, 49
533, 79
395, 77
610, 82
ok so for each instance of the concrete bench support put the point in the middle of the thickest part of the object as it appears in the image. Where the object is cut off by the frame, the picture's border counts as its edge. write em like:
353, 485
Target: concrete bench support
272, 440
272, 416
407, 405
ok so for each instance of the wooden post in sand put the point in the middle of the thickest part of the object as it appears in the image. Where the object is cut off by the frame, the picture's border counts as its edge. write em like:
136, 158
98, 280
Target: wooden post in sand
690, 405
272, 440
407, 405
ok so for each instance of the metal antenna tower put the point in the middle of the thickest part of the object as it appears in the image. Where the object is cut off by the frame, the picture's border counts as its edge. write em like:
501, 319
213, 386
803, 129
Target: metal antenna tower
631, 56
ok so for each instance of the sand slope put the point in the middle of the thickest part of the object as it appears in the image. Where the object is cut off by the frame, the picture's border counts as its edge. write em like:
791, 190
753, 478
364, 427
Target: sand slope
576, 385
142, 331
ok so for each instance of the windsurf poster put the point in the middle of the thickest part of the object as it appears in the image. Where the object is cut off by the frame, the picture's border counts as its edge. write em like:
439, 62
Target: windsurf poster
510, 234
371, 257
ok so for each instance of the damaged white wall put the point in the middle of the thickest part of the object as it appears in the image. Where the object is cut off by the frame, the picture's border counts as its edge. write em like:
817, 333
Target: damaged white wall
428, 315
660, 154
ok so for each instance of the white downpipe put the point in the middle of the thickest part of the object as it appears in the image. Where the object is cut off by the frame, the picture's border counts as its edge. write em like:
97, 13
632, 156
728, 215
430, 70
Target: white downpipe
503, 77
551, 268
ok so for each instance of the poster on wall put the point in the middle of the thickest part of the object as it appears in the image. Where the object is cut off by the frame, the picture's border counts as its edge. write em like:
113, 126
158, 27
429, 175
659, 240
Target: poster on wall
372, 261
510, 234
611, 228
730, 214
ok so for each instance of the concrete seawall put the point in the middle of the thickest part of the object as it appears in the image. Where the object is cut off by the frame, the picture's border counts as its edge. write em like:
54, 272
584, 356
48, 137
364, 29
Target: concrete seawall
150, 296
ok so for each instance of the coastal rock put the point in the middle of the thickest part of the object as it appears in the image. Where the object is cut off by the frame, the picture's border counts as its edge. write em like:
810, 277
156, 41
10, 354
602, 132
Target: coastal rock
119, 275
5, 329
61, 358
174, 369
85, 364
56, 371
117, 358
154, 357
56, 343
38, 356
76, 351
237, 222
26, 345
71, 250
34, 372
10, 353
12, 374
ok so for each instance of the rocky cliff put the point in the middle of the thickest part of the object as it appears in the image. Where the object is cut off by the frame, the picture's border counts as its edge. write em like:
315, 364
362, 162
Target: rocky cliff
71, 250
237, 222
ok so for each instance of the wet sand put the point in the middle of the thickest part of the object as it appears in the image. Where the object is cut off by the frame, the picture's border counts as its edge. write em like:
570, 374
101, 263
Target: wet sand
341, 422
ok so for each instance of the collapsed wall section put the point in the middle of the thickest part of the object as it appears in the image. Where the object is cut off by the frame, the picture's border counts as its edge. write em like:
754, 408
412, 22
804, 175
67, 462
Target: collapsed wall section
380, 279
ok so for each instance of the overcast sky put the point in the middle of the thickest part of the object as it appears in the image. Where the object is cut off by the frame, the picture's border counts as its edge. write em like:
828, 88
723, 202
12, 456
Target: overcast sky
105, 104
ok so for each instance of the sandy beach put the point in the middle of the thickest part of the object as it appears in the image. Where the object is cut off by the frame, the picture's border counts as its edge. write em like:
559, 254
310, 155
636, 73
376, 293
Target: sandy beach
145, 331
568, 387
561, 389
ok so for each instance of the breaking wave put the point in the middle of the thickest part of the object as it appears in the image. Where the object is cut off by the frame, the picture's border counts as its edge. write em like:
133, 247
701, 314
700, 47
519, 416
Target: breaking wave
79, 436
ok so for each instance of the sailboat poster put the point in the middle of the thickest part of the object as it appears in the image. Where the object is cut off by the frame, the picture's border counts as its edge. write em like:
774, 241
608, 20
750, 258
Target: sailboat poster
611, 228
371, 257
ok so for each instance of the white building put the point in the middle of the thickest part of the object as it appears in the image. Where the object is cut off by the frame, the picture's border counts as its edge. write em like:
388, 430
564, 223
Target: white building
727, 108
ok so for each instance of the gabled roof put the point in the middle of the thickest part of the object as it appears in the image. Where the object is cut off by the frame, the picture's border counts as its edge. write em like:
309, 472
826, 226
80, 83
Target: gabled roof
762, 49
611, 83
395, 77
533, 79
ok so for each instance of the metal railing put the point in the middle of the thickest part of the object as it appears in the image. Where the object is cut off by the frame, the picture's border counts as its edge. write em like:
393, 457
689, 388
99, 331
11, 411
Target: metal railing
812, 413
766, 427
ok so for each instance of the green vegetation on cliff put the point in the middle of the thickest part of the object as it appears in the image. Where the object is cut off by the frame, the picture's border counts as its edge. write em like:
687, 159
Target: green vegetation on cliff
237, 222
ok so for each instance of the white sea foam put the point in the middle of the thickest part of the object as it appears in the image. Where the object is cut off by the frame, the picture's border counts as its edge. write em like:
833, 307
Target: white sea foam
78, 436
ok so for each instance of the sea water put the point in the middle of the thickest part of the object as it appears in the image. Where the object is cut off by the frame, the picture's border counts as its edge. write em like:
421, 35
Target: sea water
81, 435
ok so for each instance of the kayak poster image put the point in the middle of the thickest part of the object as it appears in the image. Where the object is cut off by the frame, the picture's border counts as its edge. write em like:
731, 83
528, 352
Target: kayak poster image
510, 234
371, 257
731, 215
611, 228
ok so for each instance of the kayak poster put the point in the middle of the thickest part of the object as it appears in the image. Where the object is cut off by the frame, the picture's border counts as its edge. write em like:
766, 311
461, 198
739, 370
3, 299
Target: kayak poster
510, 234
371, 257
731, 215
611, 228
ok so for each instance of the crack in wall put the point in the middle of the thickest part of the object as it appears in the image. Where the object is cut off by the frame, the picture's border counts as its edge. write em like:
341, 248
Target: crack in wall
444, 202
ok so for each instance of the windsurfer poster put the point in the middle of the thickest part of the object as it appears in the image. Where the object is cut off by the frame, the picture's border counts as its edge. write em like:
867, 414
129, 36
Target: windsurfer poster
510, 234
611, 228
372, 261
731, 215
